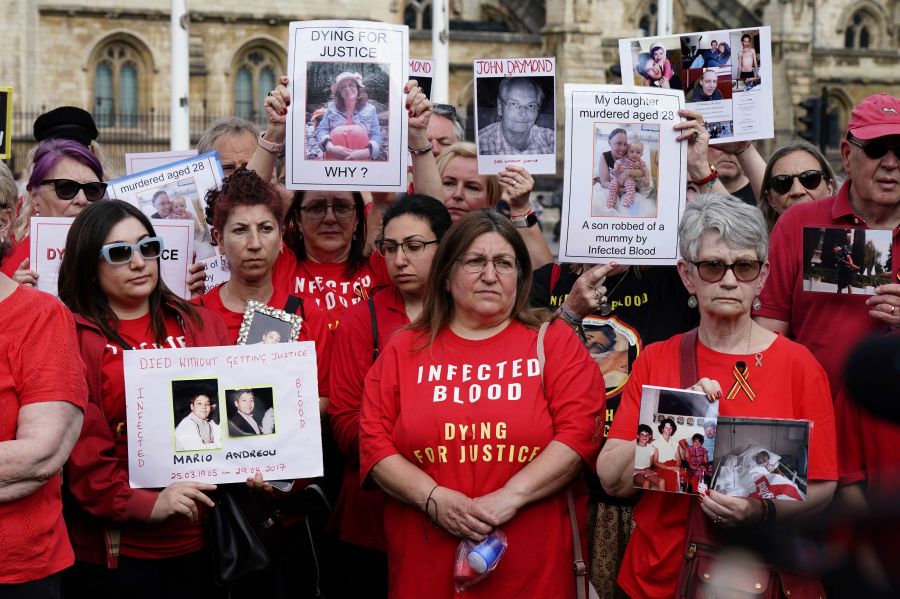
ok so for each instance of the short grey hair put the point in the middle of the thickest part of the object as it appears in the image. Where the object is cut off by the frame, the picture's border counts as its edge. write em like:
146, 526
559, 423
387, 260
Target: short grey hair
740, 225
222, 127
508, 82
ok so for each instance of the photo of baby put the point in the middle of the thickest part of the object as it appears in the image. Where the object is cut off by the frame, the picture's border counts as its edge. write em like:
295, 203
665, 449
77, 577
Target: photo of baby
179, 200
626, 159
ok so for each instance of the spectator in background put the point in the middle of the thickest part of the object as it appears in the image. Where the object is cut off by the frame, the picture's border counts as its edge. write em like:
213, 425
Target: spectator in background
444, 128
519, 102
796, 172
235, 140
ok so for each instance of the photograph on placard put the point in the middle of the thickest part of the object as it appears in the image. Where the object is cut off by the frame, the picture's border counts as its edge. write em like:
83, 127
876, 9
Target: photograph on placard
614, 346
347, 111
422, 70
675, 440
625, 186
761, 458
515, 114
745, 71
251, 411
347, 121
196, 414
713, 68
846, 260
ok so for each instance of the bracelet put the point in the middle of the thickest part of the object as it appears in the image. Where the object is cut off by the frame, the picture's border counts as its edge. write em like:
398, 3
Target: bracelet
416, 151
569, 315
430, 500
268, 146
712, 176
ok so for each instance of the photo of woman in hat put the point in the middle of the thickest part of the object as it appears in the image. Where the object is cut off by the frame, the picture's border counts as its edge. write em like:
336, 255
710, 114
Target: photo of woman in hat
349, 129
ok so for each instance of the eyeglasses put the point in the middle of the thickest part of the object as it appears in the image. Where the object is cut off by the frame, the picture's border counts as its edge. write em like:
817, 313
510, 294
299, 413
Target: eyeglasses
476, 263
876, 149
317, 211
412, 247
513, 105
67, 189
808, 179
122, 252
713, 271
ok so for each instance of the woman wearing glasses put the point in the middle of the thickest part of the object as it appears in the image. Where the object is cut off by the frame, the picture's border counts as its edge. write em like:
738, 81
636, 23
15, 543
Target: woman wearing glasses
797, 172
756, 373
412, 228
349, 129
65, 178
136, 542
462, 427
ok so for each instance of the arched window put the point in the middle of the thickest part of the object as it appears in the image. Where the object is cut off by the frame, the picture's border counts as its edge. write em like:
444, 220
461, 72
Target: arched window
255, 76
117, 69
861, 31
417, 14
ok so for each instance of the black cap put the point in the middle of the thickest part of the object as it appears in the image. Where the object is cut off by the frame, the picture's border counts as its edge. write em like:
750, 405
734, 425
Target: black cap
66, 122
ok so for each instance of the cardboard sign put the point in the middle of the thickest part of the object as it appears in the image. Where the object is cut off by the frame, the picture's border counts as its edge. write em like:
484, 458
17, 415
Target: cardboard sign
726, 76
624, 179
144, 161
48, 243
175, 191
515, 120
347, 125
5, 121
422, 70
222, 414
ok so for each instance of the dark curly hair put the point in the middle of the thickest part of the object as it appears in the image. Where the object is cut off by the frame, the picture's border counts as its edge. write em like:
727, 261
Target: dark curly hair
663, 422
242, 188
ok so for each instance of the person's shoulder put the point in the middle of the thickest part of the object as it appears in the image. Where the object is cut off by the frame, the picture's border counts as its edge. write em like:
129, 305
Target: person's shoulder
796, 354
489, 129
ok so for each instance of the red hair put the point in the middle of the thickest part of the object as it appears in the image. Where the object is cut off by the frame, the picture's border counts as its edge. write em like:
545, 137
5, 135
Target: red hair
242, 188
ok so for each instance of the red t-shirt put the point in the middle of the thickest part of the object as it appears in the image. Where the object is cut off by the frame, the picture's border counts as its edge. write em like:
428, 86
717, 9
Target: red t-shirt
19, 251
828, 324
39, 362
327, 284
358, 511
789, 384
313, 328
177, 535
471, 414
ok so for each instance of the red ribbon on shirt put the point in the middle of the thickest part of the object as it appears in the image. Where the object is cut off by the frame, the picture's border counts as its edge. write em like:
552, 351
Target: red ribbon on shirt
741, 374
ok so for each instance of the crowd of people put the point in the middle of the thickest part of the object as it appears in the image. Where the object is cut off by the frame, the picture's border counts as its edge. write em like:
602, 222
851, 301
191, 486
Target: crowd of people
468, 383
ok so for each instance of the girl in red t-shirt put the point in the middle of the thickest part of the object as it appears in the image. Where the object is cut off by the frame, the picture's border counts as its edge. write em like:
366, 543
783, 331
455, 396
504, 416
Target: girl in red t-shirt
128, 542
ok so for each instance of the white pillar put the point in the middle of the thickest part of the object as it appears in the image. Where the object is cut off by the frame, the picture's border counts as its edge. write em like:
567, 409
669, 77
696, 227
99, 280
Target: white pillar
179, 133
440, 51
664, 17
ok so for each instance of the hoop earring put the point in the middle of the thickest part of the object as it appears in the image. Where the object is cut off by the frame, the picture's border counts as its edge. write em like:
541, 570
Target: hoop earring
757, 305
692, 301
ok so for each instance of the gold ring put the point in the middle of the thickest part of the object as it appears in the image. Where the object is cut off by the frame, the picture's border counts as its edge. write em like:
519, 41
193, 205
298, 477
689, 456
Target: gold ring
892, 310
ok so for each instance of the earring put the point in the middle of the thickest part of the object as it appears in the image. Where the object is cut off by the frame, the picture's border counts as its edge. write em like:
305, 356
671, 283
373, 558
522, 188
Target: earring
692, 301
354, 237
757, 304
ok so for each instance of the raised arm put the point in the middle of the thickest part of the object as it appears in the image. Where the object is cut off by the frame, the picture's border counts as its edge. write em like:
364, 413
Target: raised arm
517, 184
276, 105
426, 178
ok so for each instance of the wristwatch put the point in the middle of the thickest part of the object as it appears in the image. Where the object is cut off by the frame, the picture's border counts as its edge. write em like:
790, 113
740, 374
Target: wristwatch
268, 146
529, 219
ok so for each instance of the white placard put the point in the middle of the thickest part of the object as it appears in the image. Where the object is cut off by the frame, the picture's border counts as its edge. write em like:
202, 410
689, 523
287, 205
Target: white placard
143, 161
515, 116
422, 70
726, 76
48, 243
217, 271
167, 442
175, 191
372, 54
604, 123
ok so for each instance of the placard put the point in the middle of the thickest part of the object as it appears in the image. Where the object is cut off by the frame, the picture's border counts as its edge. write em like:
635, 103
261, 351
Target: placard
515, 119
422, 70
334, 65
217, 271
48, 243
726, 76
5, 121
143, 161
222, 414
176, 191
846, 260
630, 217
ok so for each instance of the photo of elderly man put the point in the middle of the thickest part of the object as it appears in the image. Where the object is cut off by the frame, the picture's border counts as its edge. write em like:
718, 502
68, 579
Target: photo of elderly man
514, 130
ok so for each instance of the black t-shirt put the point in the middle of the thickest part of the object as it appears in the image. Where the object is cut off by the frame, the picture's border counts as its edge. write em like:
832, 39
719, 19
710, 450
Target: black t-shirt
649, 304
746, 195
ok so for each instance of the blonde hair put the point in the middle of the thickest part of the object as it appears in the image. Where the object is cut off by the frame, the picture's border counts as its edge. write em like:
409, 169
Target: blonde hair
466, 149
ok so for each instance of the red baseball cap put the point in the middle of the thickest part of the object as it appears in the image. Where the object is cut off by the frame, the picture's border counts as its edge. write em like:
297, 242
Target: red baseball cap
876, 116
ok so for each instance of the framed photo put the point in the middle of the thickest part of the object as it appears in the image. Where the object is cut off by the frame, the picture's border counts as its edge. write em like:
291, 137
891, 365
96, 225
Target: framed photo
264, 324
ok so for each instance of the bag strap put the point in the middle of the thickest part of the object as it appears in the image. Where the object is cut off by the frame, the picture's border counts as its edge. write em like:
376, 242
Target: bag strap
293, 304
578, 564
688, 362
371, 303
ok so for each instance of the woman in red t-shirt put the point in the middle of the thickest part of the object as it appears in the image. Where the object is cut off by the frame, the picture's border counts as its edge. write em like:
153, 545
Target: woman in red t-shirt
412, 228
724, 244
460, 425
128, 542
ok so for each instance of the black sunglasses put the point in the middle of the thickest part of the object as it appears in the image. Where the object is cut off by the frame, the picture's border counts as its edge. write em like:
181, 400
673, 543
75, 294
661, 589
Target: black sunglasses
877, 148
713, 271
808, 179
67, 189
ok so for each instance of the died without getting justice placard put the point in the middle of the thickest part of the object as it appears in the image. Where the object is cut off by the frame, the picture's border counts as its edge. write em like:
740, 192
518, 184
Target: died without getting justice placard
624, 178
